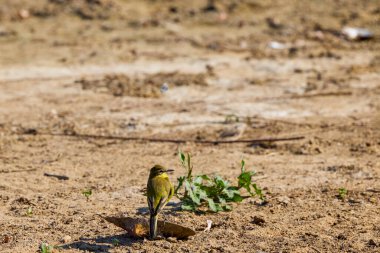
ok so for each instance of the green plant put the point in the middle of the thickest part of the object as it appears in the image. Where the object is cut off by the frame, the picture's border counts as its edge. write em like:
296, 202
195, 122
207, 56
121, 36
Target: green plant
29, 212
87, 193
342, 192
245, 181
115, 242
46, 248
214, 192
231, 118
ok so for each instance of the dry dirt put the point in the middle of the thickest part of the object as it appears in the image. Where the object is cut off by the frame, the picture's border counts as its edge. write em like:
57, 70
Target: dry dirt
95, 67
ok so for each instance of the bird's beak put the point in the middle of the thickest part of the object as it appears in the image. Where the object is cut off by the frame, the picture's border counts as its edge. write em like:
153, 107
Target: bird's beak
169, 171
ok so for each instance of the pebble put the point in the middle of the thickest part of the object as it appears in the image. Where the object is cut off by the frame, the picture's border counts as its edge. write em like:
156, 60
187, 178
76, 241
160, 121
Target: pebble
276, 45
171, 239
372, 242
166, 245
66, 239
6, 239
24, 14
283, 200
258, 220
164, 88
355, 33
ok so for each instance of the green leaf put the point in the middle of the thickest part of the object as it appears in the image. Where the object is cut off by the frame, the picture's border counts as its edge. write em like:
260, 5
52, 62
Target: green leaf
45, 248
87, 193
227, 208
218, 207
242, 166
188, 160
258, 191
189, 166
244, 180
180, 183
29, 212
182, 156
188, 185
222, 200
211, 205
198, 180
188, 207
205, 177
342, 192
202, 194
220, 182
237, 198
230, 193
248, 188
191, 193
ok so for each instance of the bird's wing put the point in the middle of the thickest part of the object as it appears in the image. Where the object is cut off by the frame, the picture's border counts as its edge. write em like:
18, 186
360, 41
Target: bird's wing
157, 201
171, 193
164, 200
161, 204
150, 204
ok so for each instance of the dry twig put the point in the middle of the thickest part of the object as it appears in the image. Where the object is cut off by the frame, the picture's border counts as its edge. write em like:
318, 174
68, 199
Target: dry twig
149, 139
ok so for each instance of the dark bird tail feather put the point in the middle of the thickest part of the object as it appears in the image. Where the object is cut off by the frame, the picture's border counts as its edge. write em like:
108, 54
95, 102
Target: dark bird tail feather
153, 226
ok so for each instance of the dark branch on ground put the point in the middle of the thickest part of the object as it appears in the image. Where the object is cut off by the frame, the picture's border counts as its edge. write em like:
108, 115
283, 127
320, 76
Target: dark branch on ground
150, 139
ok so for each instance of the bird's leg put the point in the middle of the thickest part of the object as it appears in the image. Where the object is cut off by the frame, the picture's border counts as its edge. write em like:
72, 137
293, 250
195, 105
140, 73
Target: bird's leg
164, 219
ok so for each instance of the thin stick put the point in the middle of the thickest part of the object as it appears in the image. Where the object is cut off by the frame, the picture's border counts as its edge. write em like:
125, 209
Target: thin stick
373, 190
13, 171
317, 250
322, 94
112, 137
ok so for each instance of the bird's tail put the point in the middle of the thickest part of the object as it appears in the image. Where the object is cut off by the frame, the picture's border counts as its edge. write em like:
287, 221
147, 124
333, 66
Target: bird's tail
153, 226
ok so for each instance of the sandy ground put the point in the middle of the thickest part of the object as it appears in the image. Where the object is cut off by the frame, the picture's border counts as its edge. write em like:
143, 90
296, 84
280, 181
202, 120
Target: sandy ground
71, 68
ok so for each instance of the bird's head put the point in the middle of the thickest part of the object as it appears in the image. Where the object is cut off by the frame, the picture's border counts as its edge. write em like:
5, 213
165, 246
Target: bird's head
159, 170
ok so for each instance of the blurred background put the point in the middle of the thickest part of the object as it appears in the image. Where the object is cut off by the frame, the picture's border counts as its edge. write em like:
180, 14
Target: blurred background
76, 32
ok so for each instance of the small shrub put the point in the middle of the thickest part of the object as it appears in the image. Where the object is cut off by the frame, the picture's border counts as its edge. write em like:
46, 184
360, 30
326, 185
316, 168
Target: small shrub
214, 192
342, 193
46, 248
87, 193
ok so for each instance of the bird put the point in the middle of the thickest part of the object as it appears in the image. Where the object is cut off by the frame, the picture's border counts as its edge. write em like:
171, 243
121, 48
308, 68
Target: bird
159, 192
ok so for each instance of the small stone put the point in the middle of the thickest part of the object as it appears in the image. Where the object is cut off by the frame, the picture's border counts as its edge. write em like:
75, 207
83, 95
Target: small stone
276, 45
66, 239
373, 200
283, 200
24, 14
68, 221
342, 237
6, 239
164, 88
354, 201
372, 242
355, 33
166, 245
5, 32
171, 239
258, 220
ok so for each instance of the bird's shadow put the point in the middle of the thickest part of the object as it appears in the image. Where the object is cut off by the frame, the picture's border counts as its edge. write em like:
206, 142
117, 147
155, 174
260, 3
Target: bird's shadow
102, 243
106, 243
